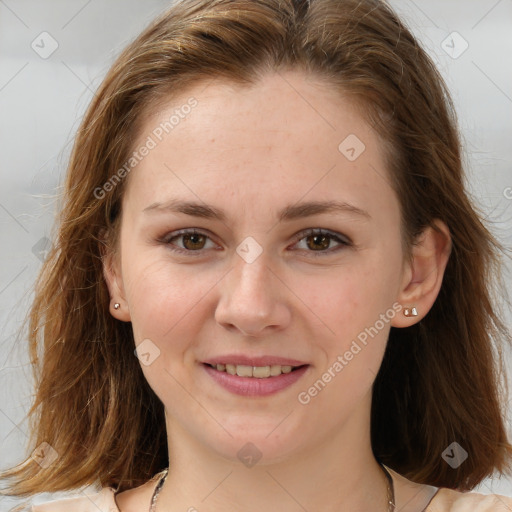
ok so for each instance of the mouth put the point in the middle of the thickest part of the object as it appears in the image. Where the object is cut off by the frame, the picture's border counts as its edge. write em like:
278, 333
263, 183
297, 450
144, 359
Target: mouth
255, 381
258, 372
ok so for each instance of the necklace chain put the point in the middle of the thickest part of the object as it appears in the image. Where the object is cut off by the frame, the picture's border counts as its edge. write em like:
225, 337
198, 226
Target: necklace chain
391, 490
157, 490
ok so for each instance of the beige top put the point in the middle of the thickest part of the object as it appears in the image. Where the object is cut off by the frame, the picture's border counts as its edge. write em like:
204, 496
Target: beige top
412, 497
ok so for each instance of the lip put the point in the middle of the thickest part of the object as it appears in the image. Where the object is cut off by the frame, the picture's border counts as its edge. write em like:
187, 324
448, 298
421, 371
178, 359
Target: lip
254, 361
252, 386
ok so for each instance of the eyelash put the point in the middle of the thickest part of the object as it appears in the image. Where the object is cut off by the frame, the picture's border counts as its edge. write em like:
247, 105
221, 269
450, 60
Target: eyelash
343, 241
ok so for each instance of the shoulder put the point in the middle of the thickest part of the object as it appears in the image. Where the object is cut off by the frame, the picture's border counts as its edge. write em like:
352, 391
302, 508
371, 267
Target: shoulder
138, 498
101, 501
411, 497
106, 500
448, 500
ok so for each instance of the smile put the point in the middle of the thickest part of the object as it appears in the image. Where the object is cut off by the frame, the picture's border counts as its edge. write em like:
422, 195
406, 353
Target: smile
255, 381
259, 372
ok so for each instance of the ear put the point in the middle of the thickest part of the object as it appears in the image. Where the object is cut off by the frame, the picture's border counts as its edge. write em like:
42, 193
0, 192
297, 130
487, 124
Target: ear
423, 276
114, 280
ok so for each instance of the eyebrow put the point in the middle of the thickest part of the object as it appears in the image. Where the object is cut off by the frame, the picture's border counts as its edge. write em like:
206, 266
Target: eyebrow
288, 213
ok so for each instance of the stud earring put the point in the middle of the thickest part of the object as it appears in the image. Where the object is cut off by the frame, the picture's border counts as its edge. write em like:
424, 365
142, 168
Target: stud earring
410, 312
117, 305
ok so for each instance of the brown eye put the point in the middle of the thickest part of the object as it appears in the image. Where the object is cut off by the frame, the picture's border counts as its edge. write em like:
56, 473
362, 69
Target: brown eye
188, 241
316, 242
193, 241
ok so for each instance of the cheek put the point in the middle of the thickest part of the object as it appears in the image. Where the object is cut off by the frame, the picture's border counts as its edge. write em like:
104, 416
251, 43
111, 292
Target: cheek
168, 308
349, 299
355, 308
162, 296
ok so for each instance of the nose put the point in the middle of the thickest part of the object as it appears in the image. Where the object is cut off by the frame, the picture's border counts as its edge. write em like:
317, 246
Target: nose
253, 299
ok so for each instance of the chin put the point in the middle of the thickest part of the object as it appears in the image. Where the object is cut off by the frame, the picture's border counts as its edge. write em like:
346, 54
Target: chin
255, 446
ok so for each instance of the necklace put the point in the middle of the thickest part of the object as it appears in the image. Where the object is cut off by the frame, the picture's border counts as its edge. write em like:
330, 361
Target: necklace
391, 490
158, 488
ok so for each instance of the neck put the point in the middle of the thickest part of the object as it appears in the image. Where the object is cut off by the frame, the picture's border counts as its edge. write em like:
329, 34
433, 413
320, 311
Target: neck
338, 474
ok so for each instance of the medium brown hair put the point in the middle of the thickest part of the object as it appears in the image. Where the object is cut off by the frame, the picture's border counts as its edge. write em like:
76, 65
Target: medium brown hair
441, 379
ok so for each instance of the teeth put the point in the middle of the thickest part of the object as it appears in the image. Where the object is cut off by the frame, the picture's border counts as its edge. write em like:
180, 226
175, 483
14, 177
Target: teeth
260, 372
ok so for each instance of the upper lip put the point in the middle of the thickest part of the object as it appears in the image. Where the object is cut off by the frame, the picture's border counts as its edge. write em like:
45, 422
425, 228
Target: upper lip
238, 359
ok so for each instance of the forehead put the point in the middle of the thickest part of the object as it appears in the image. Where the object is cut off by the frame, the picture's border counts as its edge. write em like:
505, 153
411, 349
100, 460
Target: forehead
288, 135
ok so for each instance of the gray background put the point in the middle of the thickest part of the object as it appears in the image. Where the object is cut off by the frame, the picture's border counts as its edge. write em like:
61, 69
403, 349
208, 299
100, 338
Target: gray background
43, 99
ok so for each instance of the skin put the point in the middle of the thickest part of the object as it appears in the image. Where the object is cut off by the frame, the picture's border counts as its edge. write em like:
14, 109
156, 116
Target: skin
251, 152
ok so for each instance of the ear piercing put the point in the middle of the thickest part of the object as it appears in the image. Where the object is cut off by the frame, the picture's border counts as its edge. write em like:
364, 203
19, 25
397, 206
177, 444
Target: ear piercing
409, 312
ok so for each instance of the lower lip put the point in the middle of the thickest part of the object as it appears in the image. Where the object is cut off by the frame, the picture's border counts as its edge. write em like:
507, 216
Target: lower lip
252, 386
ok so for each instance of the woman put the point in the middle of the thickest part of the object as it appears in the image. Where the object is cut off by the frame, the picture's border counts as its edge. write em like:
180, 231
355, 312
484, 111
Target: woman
269, 288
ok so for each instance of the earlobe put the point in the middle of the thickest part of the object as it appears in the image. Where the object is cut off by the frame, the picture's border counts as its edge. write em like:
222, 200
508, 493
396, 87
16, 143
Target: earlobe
423, 277
118, 304
120, 311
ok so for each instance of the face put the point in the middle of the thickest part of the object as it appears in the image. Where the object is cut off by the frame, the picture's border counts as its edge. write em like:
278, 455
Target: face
230, 252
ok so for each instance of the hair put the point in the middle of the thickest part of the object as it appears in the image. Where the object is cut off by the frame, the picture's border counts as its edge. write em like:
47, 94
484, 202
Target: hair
441, 380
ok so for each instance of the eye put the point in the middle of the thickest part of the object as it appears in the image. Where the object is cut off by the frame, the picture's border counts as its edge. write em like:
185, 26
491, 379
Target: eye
191, 241
319, 241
